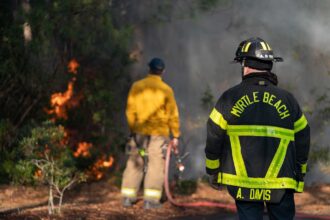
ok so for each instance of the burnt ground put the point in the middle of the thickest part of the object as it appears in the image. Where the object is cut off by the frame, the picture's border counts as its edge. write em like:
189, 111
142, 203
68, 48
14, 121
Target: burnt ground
101, 200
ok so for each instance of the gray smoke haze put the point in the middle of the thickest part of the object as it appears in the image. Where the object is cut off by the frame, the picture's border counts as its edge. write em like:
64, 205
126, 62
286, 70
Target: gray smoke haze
197, 52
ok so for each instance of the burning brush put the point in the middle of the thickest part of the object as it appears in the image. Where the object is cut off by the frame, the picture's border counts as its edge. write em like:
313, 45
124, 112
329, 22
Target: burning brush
60, 103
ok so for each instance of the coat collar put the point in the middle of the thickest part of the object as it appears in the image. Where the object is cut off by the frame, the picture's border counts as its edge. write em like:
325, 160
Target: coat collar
257, 76
153, 76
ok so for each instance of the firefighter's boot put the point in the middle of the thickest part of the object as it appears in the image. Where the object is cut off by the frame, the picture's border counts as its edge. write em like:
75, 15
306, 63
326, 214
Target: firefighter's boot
151, 205
128, 202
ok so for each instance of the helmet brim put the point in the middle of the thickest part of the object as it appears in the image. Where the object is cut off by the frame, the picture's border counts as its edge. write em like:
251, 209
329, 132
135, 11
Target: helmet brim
241, 58
278, 59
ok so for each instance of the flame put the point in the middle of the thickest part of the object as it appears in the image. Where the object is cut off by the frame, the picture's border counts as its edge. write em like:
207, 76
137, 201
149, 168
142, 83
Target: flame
59, 100
38, 174
73, 66
83, 149
62, 101
98, 168
109, 162
65, 139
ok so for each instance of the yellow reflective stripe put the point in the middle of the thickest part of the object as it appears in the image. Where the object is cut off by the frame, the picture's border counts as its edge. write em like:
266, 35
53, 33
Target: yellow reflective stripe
246, 47
263, 45
237, 156
300, 124
152, 193
304, 168
300, 187
128, 192
278, 159
218, 119
269, 48
260, 130
212, 164
260, 183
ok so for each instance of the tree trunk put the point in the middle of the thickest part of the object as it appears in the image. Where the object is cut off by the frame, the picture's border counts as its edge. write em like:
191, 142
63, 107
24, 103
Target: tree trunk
51, 196
50, 201
60, 202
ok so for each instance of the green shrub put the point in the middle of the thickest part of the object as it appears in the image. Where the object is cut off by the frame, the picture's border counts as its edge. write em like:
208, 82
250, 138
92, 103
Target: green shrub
45, 152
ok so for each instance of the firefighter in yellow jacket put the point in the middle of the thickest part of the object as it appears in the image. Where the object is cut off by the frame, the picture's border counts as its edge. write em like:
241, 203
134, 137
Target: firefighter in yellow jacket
152, 115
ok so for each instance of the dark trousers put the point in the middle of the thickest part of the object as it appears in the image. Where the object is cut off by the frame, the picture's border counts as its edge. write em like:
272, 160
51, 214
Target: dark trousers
285, 210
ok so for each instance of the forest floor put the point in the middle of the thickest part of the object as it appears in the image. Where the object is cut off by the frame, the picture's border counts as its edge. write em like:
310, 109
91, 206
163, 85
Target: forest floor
101, 200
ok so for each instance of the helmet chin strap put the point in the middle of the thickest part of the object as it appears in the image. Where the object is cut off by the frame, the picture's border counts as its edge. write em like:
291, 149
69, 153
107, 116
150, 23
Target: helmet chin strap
242, 68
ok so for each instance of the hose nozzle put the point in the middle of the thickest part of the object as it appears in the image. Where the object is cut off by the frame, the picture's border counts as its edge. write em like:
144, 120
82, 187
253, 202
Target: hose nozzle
179, 165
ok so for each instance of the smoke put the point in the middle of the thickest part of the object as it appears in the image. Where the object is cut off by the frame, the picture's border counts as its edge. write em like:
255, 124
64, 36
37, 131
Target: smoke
198, 51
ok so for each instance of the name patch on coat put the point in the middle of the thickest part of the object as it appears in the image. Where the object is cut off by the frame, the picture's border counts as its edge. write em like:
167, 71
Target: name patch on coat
256, 194
270, 99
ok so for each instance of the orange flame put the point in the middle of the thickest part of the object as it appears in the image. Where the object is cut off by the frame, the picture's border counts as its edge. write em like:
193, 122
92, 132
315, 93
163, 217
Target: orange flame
98, 169
73, 66
83, 149
65, 139
62, 101
59, 101
108, 163
102, 163
38, 174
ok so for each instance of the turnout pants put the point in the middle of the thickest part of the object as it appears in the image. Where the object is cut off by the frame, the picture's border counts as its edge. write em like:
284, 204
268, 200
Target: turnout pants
284, 210
154, 173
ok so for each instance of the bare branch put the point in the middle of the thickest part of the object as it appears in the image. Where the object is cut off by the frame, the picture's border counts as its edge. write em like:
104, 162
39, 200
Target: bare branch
57, 188
75, 179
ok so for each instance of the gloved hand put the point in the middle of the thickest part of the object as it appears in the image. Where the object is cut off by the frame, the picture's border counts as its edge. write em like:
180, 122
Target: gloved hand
213, 181
300, 176
175, 144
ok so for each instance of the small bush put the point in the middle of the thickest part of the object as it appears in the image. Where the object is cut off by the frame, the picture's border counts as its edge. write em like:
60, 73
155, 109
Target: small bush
49, 161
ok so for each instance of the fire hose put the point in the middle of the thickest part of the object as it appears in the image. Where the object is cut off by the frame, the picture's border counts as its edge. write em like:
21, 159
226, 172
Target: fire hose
229, 207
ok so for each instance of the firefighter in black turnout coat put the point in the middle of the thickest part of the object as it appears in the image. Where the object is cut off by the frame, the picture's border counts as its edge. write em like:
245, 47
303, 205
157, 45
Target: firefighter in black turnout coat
258, 139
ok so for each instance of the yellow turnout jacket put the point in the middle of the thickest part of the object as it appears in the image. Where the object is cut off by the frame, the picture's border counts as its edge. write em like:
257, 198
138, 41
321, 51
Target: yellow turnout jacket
151, 108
